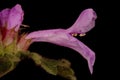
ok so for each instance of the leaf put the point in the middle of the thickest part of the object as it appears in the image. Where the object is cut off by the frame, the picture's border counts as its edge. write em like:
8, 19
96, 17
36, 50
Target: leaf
1, 49
60, 67
7, 64
36, 58
50, 65
64, 70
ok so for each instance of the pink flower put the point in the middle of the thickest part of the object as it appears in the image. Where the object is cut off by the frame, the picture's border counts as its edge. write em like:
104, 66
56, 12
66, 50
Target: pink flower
63, 37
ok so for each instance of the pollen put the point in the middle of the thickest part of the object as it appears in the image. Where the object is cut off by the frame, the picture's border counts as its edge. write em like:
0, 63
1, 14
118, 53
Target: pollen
74, 34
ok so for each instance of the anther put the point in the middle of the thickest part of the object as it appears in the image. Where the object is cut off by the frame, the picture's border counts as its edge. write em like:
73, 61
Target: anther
82, 35
74, 34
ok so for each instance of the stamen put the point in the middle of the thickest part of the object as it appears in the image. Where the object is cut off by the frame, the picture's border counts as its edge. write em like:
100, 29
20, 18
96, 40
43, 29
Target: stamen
25, 25
82, 35
74, 34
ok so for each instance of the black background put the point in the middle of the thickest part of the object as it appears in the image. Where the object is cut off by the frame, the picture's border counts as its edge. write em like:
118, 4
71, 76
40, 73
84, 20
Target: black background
43, 14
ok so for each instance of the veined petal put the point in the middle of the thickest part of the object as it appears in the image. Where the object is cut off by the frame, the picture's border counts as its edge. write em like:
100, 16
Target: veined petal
85, 22
15, 17
62, 38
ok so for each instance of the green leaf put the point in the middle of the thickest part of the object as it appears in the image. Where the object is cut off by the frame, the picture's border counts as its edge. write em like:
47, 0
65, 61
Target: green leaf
60, 67
64, 70
36, 58
1, 49
7, 64
50, 65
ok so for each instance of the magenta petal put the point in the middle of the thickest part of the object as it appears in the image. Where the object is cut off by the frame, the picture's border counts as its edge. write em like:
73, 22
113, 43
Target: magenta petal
15, 17
85, 22
4, 14
11, 18
62, 38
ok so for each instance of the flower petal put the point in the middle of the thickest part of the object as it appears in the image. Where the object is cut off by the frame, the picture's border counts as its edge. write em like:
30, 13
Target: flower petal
62, 38
11, 18
4, 17
15, 17
84, 23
